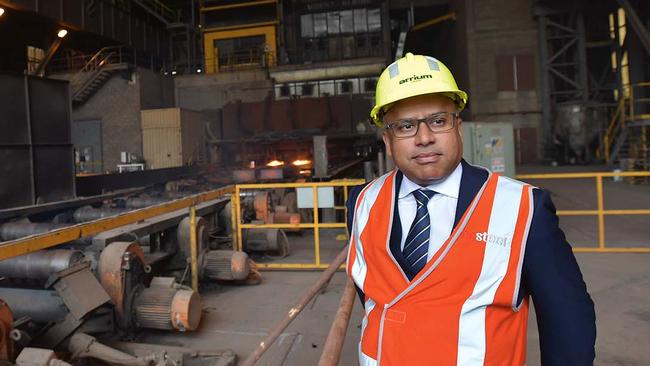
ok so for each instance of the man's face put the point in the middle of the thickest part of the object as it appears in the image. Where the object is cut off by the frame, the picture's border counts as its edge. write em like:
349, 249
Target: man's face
426, 156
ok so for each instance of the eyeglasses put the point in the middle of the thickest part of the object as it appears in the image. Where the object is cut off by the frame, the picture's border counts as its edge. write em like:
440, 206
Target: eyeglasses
439, 122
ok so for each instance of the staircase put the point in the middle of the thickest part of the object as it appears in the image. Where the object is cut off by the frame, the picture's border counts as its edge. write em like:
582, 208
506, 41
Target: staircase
96, 72
625, 142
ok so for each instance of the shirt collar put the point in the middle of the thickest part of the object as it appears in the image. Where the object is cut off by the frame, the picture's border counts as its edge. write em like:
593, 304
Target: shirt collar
449, 186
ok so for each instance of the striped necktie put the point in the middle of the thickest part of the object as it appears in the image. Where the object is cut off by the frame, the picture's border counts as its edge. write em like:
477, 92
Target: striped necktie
416, 246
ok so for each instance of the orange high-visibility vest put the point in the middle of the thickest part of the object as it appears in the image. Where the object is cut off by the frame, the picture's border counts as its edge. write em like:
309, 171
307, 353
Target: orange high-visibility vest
461, 309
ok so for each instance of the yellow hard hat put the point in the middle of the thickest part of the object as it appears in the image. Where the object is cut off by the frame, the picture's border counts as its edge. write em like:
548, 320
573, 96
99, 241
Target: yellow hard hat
414, 75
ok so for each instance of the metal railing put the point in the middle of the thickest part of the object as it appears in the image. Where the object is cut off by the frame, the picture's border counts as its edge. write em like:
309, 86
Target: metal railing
616, 124
123, 54
241, 60
626, 113
634, 101
316, 225
600, 212
32, 243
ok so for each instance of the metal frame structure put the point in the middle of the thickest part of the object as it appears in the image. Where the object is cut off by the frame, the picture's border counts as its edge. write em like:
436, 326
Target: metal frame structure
563, 63
316, 225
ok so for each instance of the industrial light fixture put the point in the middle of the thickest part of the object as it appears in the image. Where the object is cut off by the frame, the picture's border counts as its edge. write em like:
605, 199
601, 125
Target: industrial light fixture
274, 163
2, 11
198, 71
173, 72
62, 33
301, 162
305, 172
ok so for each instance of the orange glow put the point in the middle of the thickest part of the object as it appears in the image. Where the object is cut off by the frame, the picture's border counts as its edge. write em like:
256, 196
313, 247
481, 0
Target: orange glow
274, 163
301, 162
305, 172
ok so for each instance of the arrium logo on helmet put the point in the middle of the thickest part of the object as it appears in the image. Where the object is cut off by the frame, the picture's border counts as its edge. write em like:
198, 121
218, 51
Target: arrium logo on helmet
416, 78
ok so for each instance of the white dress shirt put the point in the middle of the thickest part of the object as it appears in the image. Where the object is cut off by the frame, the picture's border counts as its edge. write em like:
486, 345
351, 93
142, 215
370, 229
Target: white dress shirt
442, 208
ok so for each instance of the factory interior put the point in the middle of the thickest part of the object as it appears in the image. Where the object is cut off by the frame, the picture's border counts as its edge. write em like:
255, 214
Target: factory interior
175, 172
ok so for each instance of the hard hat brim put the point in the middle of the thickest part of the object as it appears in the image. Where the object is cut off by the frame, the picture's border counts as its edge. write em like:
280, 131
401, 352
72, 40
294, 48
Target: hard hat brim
460, 101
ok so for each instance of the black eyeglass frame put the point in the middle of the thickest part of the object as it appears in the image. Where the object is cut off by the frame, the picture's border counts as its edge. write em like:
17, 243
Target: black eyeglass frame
454, 116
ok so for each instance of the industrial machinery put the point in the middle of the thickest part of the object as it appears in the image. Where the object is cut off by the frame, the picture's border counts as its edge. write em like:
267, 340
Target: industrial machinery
6, 326
220, 265
163, 305
111, 284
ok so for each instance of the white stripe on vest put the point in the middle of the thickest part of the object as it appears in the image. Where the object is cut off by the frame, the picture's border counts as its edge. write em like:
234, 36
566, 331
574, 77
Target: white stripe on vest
497, 241
361, 215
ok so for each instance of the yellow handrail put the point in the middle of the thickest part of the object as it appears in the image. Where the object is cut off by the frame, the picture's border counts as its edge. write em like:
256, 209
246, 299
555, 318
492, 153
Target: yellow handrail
32, 243
315, 224
600, 211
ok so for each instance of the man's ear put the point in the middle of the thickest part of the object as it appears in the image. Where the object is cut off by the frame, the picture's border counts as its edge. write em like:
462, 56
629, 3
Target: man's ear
386, 139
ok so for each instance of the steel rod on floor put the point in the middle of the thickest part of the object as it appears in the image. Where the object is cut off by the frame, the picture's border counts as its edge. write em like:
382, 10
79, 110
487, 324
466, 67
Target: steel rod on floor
296, 309
194, 253
334, 343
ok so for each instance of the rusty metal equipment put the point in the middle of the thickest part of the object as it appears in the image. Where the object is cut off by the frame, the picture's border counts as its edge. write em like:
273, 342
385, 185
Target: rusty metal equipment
183, 235
221, 265
283, 217
272, 241
334, 343
79, 289
41, 264
121, 272
87, 213
31, 356
82, 345
262, 205
6, 326
225, 265
164, 305
39, 305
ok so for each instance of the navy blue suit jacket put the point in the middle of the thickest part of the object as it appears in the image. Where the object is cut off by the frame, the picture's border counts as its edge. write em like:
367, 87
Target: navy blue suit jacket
565, 312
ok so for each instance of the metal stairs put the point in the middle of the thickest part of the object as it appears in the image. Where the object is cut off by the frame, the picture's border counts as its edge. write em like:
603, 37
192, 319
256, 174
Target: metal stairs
96, 72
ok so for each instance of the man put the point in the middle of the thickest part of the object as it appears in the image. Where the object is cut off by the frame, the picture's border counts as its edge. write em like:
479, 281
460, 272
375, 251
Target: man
445, 255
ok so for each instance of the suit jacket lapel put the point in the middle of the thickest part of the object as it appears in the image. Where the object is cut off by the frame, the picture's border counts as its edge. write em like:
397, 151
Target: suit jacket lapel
470, 183
395, 242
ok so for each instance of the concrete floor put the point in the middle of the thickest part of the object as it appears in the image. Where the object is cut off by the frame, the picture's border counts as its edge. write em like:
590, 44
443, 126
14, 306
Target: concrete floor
238, 318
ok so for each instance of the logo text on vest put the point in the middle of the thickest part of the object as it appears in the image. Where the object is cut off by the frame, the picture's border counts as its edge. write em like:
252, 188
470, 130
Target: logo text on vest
502, 241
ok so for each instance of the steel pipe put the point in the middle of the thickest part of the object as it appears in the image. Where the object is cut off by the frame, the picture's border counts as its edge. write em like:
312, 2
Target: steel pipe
40, 305
142, 202
87, 213
334, 343
296, 309
16, 230
41, 264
